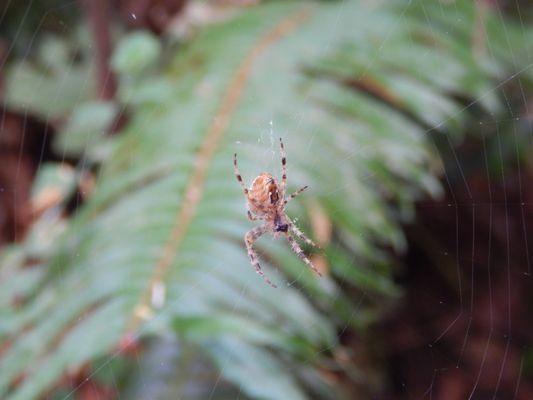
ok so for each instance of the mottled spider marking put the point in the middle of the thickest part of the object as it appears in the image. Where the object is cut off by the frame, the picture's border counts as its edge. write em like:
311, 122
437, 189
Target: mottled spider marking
292, 196
238, 174
301, 235
266, 201
298, 250
250, 237
283, 166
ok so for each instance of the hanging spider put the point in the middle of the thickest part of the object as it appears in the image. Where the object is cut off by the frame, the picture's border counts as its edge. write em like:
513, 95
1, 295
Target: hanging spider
266, 202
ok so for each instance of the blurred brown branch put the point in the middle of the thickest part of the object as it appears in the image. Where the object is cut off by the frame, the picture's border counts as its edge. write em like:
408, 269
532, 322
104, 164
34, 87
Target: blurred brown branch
97, 14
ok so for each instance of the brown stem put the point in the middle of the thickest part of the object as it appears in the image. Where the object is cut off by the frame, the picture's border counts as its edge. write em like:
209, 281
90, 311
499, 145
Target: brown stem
97, 14
479, 33
3, 56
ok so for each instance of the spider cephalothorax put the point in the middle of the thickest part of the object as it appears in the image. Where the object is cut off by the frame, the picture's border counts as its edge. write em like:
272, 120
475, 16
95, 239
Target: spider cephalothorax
266, 201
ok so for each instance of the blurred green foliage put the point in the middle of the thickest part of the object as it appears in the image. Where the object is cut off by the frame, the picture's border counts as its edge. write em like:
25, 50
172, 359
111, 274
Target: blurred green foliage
354, 88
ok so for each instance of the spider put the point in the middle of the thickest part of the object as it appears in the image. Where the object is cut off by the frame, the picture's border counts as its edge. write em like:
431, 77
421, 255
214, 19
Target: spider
266, 202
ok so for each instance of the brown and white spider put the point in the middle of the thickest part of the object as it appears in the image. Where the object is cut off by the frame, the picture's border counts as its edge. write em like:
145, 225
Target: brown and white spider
266, 202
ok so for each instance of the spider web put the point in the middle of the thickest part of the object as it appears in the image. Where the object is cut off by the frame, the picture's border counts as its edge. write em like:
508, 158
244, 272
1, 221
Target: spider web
472, 343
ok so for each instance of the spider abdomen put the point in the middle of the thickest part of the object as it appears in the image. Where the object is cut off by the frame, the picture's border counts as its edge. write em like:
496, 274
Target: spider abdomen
264, 194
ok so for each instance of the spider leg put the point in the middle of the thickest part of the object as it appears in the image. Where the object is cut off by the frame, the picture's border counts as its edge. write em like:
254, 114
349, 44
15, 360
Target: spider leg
250, 237
238, 175
300, 234
296, 248
292, 196
252, 217
283, 167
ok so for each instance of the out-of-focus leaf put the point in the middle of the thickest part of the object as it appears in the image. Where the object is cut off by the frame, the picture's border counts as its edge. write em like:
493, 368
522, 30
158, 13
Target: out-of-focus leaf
57, 92
53, 177
85, 128
136, 52
244, 363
